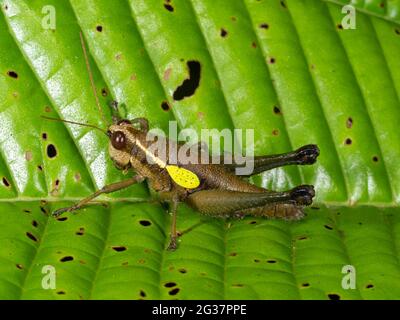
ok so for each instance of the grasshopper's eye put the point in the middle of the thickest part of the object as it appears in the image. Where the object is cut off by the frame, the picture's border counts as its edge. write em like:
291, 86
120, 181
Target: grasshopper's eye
124, 121
118, 140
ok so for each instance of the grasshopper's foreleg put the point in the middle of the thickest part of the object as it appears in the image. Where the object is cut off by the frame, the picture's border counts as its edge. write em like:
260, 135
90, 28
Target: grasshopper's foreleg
305, 155
225, 202
106, 189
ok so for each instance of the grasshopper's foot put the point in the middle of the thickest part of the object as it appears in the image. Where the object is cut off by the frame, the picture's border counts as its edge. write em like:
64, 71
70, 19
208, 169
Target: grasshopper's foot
303, 195
172, 244
307, 154
60, 211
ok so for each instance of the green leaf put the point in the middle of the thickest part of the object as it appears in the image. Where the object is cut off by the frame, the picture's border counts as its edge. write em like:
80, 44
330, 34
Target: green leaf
289, 69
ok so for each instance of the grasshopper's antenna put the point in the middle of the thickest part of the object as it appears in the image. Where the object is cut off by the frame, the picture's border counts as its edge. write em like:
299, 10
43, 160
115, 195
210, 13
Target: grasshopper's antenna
77, 123
91, 77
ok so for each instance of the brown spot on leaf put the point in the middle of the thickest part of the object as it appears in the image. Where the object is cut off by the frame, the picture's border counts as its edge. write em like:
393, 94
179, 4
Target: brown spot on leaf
31, 236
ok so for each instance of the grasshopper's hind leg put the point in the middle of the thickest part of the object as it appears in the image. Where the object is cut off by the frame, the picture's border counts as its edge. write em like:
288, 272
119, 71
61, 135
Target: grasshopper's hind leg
106, 189
224, 202
303, 156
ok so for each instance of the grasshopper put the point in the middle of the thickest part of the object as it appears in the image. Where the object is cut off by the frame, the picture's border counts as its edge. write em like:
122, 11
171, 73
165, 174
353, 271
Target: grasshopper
211, 189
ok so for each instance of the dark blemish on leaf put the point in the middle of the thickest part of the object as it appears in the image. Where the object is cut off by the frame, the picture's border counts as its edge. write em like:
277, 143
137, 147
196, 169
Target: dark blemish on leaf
271, 60
141, 261
104, 92
119, 248
145, 223
167, 74
306, 284
35, 223
238, 285
271, 261
31, 236
125, 263
80, 232
302, 238
40, 167
397, 31
223, 33
375, 159
348, 141
19, 266
315, 208
44, 136
382, 5
173, 292
169, 7
77, 177
283, 4
256, 260
360, 223
165, 106
60, 292
275, 132
57, 182
264, 26
254, 44
5, 182
12, 74
233, 254
26, 211
62, 218
369, 286
203, 274
82, 262
189, 86
339, 26
47, 109
277, 110
51, 151
349, 122
99, 28
182, 270
328, 227
44, 211
253, 222
142, 294
333, 296
170, 284
234, 19
67, 258
133, 76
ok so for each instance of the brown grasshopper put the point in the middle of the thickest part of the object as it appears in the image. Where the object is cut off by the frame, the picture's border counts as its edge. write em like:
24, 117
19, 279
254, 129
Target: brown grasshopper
211, 189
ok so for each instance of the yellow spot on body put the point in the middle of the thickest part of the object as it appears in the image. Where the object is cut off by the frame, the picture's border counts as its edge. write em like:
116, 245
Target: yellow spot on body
183, 177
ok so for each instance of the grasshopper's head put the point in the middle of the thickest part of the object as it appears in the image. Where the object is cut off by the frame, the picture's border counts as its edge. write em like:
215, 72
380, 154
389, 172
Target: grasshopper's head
122, 139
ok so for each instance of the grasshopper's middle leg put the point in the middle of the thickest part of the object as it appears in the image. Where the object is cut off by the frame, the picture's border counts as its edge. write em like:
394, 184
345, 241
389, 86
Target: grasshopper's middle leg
106, 189
226, 202
303, 156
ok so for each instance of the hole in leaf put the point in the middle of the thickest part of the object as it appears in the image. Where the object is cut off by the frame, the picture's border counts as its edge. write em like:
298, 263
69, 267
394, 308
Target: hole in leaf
283, 4
170, 284
26, 211
43, 209
104, 92
80, 232
271, 60
40, 168
44, 136
142, 294
339, 26
174, 292
302, 238
253, 222
397, 31
31, 236
348, 141
169, 7
369, 286
256, 260
306, 284
119, 248
233, 254
275, 132
67, 258
35, 223
264, 26
61, 292
5, 182
271, 261
349, 122
165, 106
328, 227
375, 159
145, 223
12, 74
223, 33
62, 218
182, 270
57, 183
189, 86
19, 266
51, 151
99, 28
333, 296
